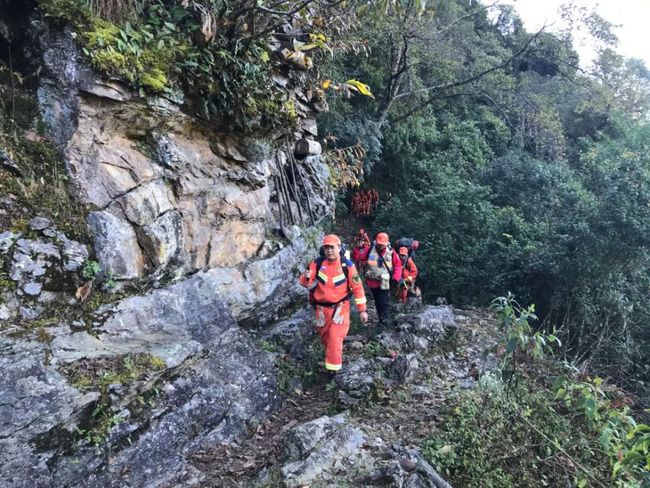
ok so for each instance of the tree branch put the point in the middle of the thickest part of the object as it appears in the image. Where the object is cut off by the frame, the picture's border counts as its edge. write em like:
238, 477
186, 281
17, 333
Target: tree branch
465, 81
478, 75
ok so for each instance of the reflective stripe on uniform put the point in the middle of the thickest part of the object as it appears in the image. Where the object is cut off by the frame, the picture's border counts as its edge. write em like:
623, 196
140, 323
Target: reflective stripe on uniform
333, 367
360, 301
340, 279
322, 277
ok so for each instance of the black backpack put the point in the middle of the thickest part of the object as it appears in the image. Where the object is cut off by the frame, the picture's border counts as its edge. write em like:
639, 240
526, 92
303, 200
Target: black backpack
406, 242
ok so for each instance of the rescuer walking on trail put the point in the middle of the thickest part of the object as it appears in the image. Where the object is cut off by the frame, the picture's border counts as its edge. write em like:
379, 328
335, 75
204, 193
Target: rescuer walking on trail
361, 250
409, 274
332, 280
383, 263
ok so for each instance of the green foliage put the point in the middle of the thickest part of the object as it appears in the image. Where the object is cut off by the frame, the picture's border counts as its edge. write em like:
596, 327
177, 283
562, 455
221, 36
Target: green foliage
374, 349
626, 443
493, 439
215, 51
520, 337
90, 270
517, 434
529, 177
98, 375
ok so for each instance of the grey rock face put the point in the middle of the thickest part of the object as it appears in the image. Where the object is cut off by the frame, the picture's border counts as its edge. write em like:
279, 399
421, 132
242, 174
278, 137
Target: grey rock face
318, 445
194, 203
57, 92
163, 240
32, 288
43, 269
116, 245
214, 382
146, 203
415, 334
32, 258
39, 223
255, 294
292, 334
357, 380
35, 398
333, 451
74, 253
420, 330
431, 321
7, 240
191, 200
5, 312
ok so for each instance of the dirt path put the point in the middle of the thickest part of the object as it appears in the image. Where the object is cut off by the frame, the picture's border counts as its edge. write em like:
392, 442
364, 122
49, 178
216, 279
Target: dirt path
237, 464
403, 416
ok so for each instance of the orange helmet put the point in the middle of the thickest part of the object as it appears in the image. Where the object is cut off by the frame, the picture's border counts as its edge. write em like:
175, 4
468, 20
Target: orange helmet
382, 238
331, 240
403, 251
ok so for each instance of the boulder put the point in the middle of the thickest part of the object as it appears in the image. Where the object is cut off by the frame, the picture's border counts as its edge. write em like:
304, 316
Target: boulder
292, 335
317, 446
116, 246
163, 240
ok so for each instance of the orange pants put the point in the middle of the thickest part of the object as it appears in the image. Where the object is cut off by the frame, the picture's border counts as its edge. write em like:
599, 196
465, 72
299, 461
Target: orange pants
333, 324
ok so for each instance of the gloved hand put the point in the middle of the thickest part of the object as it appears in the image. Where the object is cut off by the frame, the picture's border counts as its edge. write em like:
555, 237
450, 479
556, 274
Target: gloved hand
338, 316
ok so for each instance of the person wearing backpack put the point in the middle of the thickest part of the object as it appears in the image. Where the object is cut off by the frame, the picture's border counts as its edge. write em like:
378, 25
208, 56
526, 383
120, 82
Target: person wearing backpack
409, 274
332, 280
383, 263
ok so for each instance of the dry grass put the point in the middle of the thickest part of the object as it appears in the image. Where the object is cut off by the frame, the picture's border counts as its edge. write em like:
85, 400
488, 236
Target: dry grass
116, 10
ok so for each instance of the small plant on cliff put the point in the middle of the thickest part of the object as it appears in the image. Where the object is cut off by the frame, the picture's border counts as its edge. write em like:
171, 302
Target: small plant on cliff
90, 270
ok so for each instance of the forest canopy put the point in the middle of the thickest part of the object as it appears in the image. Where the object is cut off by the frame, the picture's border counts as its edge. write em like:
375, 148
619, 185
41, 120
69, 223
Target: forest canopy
516, 168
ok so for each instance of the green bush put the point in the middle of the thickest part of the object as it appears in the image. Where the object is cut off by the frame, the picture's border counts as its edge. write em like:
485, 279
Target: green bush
497, 438
164, 49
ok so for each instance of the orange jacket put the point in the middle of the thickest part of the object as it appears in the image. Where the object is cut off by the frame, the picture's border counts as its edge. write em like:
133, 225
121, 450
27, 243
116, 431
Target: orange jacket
332, 286
409, 270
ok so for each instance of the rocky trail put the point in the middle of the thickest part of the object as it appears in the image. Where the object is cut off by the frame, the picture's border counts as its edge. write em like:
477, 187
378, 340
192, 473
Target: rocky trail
364, 428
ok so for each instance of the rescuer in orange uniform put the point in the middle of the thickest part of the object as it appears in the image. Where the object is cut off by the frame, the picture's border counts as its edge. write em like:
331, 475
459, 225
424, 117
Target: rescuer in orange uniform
409, 273
332, 280
382, 264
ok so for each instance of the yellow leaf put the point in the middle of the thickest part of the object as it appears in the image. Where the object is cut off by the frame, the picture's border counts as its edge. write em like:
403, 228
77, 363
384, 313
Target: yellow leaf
360, 87
317, 38
326, 84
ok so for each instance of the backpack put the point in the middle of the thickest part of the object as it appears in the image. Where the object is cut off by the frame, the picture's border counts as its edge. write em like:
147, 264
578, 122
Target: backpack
409, 243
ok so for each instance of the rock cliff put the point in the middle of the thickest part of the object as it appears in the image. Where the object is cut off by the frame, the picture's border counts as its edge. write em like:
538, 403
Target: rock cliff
198, 229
